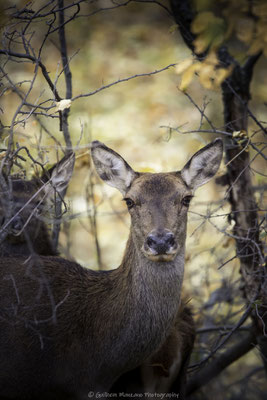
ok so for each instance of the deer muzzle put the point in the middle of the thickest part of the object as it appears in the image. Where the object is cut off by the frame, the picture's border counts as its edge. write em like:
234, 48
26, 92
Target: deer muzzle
160, 245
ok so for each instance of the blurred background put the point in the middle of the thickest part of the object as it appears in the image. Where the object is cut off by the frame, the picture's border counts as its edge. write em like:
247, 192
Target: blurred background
140, 119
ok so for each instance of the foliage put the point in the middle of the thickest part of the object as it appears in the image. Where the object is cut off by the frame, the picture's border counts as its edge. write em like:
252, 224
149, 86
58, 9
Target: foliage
210, 74
239, 25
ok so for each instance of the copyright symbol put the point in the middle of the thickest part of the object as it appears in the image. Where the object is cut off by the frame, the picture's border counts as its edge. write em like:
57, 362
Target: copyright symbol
91, 394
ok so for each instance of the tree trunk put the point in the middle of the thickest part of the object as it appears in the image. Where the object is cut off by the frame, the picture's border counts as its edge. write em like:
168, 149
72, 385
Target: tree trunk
244, 212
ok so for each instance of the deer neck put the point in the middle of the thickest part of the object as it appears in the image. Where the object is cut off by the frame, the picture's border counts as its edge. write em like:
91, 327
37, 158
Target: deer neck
153, 295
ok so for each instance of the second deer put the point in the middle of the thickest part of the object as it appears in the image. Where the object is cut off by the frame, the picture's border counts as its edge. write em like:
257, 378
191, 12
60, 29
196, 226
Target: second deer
23, 230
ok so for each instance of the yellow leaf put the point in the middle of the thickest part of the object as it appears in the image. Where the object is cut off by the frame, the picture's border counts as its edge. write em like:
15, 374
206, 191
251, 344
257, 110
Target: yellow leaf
188, 75
202, 21
256, 46
244, 29
206, 75
236, 134
183, 65
228, 242
201, 43
240, 134
211, 75
203, 4
230, 27
210, 30
212, 58
222, 74
217, 41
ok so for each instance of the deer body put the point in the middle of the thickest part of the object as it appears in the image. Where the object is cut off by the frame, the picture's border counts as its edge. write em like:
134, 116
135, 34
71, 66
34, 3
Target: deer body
66, 330
136, 320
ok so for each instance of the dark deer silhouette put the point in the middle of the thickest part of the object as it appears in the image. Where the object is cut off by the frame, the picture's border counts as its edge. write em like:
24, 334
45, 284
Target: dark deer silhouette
65, 330
23, 230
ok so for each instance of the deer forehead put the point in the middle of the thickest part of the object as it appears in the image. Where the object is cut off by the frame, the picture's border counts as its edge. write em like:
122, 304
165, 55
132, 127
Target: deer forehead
165, 185
22, 191
20, 186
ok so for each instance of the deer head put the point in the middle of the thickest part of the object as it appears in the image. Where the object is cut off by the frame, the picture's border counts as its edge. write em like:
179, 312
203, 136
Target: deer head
22, 204
158, 203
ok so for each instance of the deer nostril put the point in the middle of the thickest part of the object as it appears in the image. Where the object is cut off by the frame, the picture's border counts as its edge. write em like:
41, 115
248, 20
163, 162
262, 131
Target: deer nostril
170, 240
150, 241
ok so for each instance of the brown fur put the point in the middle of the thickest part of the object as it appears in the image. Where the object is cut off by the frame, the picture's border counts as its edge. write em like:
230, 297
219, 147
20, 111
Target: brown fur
22, 237
23, 210
66, 331
164, 371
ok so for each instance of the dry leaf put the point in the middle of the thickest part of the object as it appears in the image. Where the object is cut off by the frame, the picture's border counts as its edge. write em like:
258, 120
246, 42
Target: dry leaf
222, 74
63, 104
206, 75
255, 47
183, 65
244, 29
202, 21
201, 43
188, 75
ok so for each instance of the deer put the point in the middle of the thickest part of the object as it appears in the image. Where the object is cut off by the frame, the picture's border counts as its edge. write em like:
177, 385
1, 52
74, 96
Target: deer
27, 234
23, 230
68, 332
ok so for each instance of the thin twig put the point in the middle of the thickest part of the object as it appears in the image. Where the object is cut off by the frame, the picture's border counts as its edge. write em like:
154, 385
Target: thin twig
123, 80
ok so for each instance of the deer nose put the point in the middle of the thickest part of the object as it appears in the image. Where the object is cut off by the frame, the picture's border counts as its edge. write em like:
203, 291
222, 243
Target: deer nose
16, 224
161, 242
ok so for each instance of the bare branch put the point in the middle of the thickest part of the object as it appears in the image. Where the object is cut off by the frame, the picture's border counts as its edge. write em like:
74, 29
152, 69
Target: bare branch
67, 73
37, 62
223, 360
123, 80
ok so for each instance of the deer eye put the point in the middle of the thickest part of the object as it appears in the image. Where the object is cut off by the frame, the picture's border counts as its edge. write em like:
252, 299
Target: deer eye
129, 203
186, 200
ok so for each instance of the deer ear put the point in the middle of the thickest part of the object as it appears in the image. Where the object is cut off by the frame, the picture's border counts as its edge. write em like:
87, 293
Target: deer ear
59, 175
203, 165
111, 167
